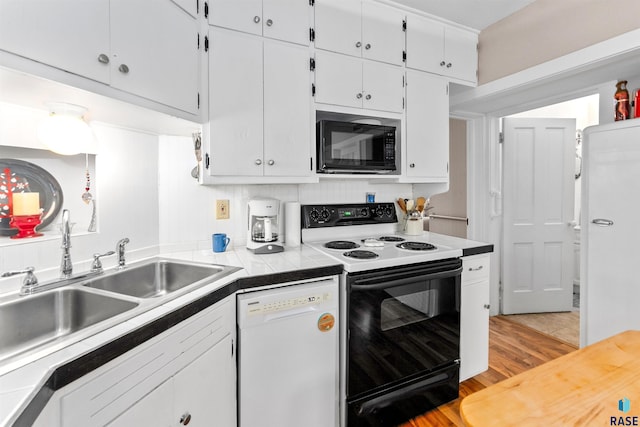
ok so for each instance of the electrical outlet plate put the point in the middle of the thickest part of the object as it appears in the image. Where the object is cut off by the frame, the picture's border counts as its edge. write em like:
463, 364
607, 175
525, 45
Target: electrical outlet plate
222, 209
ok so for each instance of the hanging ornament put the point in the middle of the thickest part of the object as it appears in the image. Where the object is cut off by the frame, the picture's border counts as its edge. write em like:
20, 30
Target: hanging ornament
86, 196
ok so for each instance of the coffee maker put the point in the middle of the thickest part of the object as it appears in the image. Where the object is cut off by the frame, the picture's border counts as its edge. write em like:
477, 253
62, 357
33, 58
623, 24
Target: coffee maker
263, 229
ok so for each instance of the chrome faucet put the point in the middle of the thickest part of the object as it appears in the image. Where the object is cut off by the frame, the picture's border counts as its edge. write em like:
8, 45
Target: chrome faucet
30, 282
120, 252
66, 267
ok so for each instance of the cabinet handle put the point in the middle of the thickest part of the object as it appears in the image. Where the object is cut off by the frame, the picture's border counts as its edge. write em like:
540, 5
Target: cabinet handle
256, 19
258, 162
412, 165
358, 44
487, 306
271, 162
269, 22
475, 269
602, 222
185, 419
359, 95
102, 58
368, 96
367, 46
442, 64
123, 68
449, 65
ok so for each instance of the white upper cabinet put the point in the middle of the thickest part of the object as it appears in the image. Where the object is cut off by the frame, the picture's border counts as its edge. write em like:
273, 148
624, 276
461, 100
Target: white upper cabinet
441, 49
353, 82
287, 20
360, 28
71, 35
260, 107
162, 63
427, 135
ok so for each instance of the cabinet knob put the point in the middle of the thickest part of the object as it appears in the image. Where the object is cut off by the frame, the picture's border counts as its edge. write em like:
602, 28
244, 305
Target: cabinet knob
367, 46
256, 19
358, 44
271, 162
442, 64
475, 269
258, 162
102, 58
449, 65
412, 165
269, 22
123, 68
487, 306
359, 95
368, 96
185, 419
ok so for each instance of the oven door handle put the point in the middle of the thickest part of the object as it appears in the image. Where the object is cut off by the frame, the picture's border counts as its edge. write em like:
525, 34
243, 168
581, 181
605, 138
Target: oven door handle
363, 286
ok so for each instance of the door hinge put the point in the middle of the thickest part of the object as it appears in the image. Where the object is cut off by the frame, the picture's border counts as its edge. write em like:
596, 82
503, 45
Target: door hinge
312, 64
206, 43
500, 138
404, 56
206, 9
404, 25
206, 160
313, 89
312, 34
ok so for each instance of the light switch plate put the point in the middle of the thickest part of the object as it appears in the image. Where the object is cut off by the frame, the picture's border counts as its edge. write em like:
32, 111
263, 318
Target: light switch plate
222, 209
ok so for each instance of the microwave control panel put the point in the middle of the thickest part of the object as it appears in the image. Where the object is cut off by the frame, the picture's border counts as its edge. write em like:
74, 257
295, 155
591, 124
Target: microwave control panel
316, 216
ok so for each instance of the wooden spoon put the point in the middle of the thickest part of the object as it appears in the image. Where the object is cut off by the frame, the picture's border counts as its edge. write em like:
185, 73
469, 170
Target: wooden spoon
403, 207
420, 201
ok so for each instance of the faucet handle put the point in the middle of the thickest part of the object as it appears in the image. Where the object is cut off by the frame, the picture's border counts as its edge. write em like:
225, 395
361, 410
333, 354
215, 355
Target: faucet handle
96, 266
29, 280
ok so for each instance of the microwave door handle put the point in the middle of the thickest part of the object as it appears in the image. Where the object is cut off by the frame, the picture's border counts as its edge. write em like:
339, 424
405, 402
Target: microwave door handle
362, 286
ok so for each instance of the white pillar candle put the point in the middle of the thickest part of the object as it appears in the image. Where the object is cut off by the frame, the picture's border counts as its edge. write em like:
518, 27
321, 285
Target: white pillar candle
26, 204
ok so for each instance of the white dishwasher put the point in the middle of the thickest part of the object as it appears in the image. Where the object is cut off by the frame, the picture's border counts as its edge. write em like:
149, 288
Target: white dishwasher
288, 356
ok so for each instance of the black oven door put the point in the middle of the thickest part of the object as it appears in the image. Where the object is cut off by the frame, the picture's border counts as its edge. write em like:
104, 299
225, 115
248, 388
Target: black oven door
404, 323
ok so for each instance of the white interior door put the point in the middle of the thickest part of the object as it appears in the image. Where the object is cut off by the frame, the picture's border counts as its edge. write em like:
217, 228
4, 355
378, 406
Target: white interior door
538, 215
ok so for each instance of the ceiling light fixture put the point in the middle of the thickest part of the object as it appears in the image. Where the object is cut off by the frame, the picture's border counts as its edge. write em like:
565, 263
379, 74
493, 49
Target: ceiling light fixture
65, 131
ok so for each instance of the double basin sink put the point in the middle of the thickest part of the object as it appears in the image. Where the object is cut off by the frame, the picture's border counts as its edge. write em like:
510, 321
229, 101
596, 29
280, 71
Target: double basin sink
36, 321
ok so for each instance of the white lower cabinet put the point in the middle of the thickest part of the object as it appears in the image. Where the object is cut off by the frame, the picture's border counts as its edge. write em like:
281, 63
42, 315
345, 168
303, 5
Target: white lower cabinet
185, 373
474, 316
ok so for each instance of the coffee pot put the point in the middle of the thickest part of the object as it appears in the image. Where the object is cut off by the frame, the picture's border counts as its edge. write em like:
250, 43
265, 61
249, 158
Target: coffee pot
263, 226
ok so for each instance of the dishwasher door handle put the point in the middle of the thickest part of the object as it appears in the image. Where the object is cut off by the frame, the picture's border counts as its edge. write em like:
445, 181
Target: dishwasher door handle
289, 313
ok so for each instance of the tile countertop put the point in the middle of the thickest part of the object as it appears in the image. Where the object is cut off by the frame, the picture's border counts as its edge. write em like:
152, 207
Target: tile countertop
28, 388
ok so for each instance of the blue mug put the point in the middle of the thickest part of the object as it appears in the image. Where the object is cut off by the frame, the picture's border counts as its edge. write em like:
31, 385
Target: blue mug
220, 242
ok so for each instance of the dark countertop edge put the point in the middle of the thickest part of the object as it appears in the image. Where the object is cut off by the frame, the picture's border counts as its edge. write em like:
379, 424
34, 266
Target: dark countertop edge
477, 250
77, 368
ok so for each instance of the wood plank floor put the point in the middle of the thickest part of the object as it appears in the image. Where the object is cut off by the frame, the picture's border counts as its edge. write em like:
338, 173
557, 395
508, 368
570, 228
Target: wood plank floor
513, 348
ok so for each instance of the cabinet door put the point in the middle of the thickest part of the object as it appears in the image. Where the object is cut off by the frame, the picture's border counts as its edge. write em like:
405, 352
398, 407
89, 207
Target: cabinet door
152, 410
70, 35
205, 389
339, 26
155, 52
287, 20
427, 126
287, 109
474, 329
461, 54
382, 34
235, 103
425, 44
382, 86
241, 15
338, 79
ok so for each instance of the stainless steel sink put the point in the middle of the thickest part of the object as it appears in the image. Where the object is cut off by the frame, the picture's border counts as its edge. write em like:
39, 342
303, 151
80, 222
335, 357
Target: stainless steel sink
35, 320
157, 278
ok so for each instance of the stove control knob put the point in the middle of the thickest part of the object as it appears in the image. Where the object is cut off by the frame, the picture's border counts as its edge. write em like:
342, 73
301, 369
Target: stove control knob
379, 211
325, 214
364, 212
314, 215
388, 211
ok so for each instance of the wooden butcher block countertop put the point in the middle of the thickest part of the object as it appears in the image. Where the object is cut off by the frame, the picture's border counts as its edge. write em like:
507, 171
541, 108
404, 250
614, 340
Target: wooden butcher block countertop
582, 388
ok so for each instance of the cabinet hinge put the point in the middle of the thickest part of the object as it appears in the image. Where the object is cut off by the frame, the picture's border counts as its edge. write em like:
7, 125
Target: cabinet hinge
404, 56
403, 102
198, 41
447, 90
313, 89
206, 9
500, 137
198, 100
310, 163
404, 25
197, 7
206, 43
312, 64
312, 34
206, 160
312, 2
232, 348
403, 84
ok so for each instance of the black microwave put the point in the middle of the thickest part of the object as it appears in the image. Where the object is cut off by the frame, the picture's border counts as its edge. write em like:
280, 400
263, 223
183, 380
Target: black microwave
346, 147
